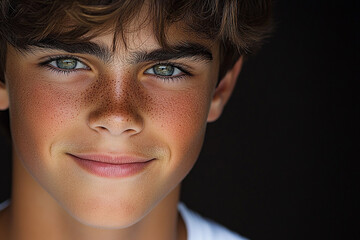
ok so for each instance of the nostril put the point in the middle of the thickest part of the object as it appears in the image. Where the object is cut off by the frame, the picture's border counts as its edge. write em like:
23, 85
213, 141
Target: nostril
115, 124
100, 128
130, 130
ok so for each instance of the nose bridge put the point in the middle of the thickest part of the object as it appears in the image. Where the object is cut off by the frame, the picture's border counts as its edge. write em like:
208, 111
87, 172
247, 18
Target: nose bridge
119, 87
119, 94
116, 109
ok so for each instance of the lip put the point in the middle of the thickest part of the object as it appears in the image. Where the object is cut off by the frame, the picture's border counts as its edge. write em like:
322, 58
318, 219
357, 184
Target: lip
112, 166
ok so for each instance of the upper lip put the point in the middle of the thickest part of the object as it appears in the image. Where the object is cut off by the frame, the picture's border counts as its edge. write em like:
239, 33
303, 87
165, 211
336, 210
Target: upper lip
111, 158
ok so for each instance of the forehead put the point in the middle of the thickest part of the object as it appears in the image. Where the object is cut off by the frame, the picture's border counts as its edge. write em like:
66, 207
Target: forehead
137, 43
142, 29
141, 38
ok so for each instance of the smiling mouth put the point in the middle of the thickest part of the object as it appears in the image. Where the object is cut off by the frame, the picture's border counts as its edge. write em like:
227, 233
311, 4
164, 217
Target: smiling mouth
111, 166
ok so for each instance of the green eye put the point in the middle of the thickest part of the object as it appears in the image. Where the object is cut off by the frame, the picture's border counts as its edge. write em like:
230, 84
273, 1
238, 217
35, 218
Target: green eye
164, 70
66, 63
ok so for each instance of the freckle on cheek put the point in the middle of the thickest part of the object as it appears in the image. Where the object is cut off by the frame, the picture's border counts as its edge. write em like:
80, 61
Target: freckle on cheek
50, 105
180, 113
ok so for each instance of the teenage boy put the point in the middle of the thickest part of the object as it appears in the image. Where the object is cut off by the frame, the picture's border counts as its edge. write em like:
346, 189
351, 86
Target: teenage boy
108, 104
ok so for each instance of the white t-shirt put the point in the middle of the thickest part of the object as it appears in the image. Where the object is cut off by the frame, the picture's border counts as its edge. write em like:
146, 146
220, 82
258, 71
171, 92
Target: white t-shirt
199, 228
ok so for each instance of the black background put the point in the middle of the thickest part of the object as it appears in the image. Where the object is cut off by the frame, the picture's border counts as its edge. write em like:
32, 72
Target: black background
277, 164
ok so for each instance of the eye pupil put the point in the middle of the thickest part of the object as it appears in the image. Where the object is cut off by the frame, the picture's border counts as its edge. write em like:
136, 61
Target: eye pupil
66, 63
164, 70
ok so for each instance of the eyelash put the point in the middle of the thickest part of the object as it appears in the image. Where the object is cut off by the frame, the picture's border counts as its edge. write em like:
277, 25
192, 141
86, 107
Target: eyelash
185, 72
47, 62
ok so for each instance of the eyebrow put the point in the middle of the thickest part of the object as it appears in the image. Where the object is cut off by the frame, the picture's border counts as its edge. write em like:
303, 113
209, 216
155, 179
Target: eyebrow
180, 50
90, 48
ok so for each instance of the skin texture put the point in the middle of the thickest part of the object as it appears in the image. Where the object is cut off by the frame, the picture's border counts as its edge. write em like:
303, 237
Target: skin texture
113, 108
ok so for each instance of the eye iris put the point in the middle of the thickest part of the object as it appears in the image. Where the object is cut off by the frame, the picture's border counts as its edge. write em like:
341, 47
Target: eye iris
164, 70
66, 63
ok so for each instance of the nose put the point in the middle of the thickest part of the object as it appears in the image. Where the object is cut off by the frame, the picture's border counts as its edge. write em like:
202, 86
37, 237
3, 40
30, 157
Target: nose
116, 114
113, 123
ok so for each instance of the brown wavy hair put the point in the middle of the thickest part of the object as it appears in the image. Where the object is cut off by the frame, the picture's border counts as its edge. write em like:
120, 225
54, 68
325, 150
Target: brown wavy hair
239, 25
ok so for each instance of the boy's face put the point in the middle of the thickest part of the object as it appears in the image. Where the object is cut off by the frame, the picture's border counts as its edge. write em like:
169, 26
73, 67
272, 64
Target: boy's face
73, 113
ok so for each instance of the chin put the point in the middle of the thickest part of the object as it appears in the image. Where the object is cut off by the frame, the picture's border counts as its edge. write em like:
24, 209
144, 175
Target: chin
112, 218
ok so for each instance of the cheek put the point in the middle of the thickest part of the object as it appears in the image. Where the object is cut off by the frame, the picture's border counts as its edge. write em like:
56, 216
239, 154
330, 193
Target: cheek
181, 122
183, 114
38, 112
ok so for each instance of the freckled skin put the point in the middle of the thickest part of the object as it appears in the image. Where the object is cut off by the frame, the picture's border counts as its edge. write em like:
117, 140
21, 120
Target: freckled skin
126, 101
111, 110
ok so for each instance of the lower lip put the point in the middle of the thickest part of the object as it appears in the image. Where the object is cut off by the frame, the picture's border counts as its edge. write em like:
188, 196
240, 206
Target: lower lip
102, 169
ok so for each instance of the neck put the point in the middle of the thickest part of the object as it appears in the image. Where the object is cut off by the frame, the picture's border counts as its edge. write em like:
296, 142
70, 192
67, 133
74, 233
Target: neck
33, 212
